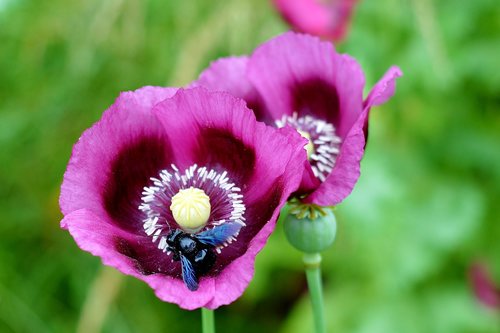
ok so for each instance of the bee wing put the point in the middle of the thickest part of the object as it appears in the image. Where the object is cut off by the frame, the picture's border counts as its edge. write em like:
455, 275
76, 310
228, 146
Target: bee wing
188, 274
218, 235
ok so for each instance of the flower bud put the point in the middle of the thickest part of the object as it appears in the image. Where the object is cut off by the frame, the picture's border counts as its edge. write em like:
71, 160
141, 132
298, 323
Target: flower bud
313, 233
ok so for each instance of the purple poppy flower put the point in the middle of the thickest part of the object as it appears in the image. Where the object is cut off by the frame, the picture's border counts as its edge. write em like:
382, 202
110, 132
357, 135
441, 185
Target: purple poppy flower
180, 189
483, 285
299, 81
324, 18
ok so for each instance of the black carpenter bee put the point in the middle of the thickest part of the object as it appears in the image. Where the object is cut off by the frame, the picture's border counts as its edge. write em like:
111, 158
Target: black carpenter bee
196, 252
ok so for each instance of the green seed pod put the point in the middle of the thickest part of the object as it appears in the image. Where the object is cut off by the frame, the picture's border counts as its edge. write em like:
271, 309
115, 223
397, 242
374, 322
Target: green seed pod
311, 235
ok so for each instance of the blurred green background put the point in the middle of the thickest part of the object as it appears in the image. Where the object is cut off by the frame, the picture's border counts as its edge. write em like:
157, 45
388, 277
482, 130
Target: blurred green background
426, 207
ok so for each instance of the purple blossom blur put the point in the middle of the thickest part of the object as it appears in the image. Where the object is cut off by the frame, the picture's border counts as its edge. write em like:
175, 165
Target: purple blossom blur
328, 19
484, 287
298, 81
134, 176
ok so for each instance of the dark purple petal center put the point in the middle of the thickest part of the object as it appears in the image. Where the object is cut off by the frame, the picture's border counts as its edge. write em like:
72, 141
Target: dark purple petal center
259, 213
316, 97
223, 151
129, 172
226, 201
146, 256
227, 208
256, 104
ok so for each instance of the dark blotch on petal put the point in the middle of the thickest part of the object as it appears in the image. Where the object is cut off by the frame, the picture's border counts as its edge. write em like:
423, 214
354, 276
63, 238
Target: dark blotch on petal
147, 258
317, 98
256, 104
365, 131
257, 215
124, 247
130, 172
219, 148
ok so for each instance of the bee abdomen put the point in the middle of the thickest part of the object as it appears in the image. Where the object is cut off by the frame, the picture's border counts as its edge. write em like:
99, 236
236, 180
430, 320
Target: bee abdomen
204, 260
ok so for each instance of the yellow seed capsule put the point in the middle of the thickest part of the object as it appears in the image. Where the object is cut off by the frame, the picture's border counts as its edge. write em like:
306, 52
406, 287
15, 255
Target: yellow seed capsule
309, 147
191, 208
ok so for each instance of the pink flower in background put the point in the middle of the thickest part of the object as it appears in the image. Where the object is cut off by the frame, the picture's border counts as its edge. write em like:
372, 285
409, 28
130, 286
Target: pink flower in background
181, 189
297, 81
324, 18
483, 285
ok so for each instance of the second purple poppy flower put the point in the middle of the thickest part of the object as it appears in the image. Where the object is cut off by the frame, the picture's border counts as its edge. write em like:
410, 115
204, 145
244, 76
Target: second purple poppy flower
296, 80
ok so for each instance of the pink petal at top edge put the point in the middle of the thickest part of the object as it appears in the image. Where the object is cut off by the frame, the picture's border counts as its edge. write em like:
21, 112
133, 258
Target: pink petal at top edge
305, 15
328, 20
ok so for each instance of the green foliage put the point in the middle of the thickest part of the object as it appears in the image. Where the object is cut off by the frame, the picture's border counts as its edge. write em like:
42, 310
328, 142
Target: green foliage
425, 208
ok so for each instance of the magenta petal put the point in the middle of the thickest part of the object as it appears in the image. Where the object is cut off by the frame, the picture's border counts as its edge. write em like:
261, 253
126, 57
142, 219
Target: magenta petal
384, 88
209, 129
98, 237
329, 20
309, 181
307, 16
115, 157
264, 211
230, 140
236, 277
229, 75
299, 73
340, 182
265, 162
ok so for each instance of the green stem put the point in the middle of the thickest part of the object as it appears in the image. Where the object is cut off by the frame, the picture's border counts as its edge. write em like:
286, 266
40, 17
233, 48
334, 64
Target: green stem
312, 263
207, 321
